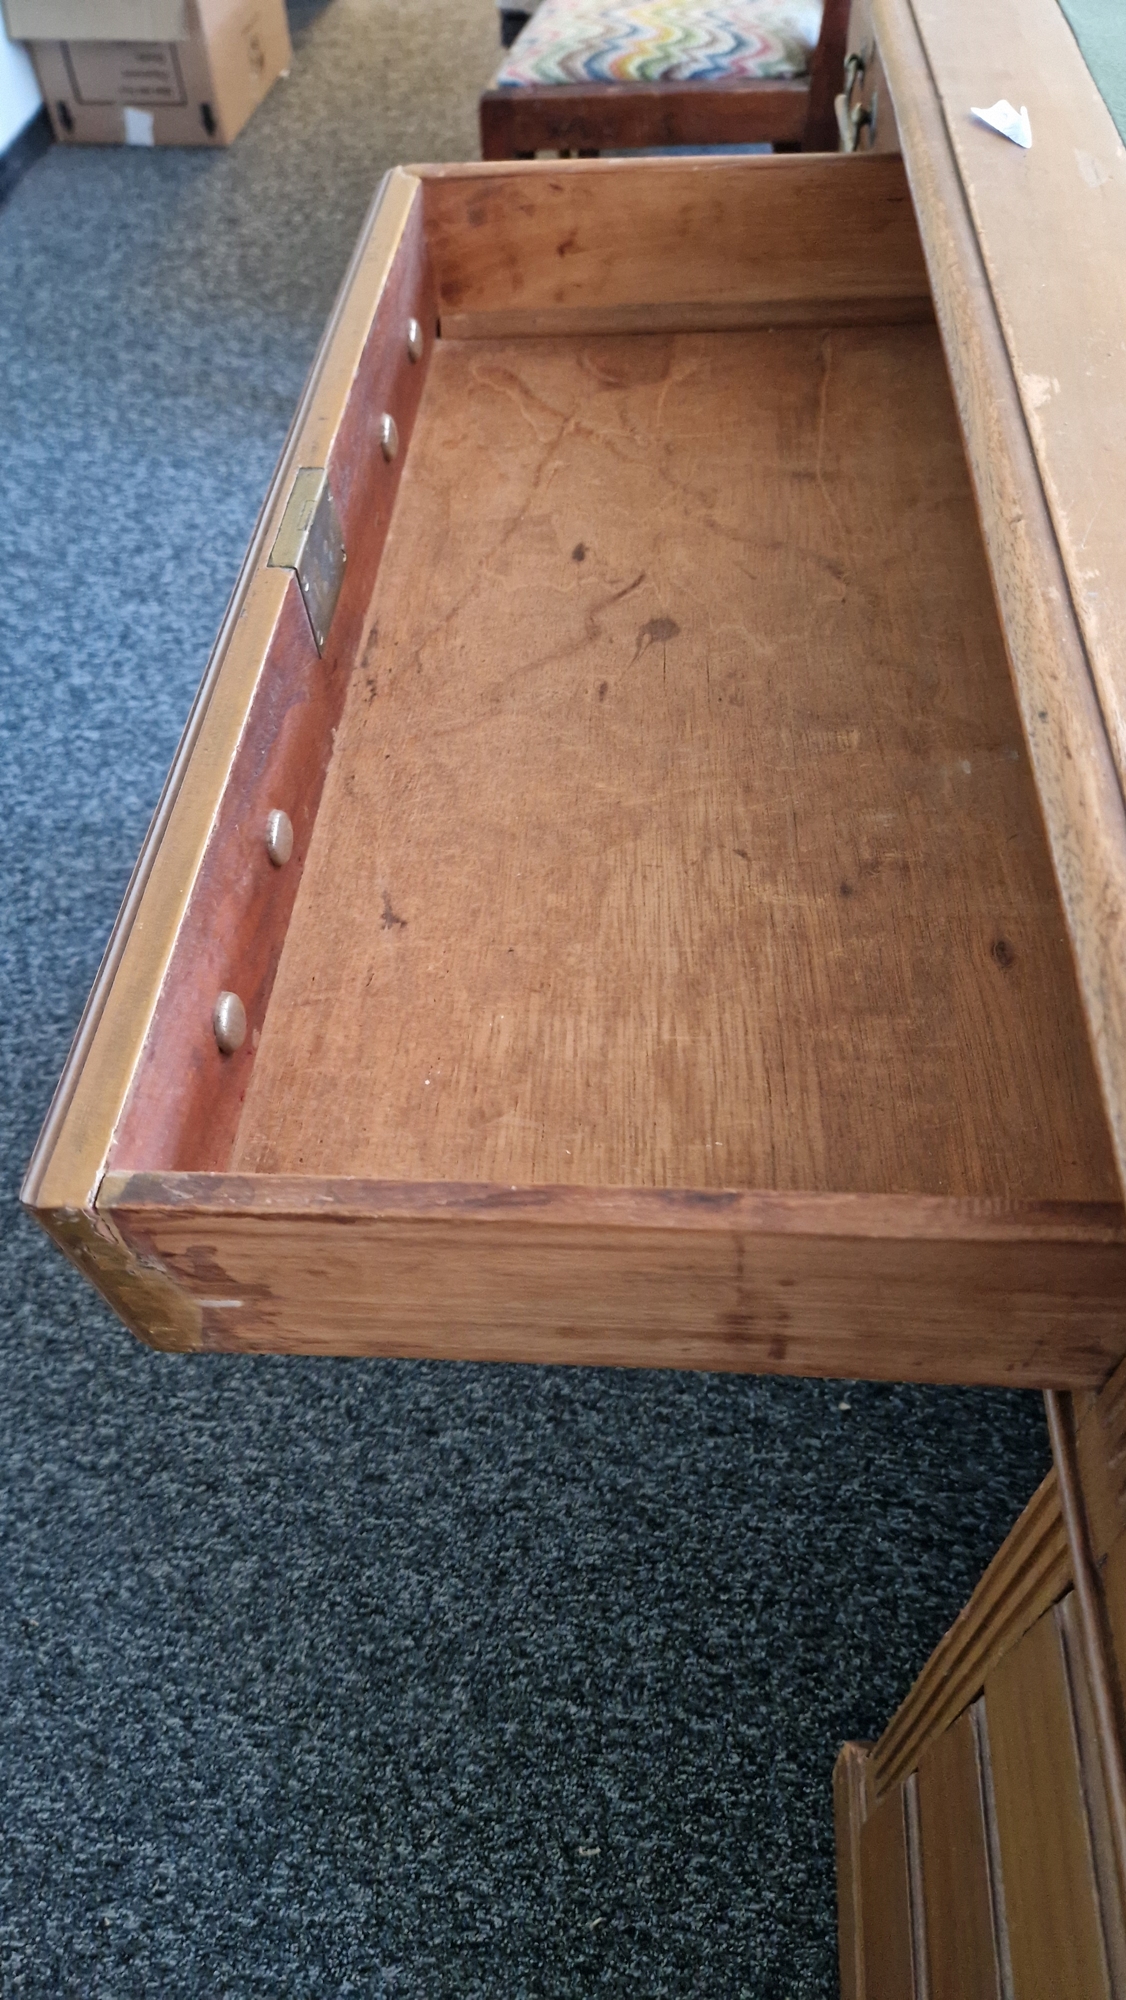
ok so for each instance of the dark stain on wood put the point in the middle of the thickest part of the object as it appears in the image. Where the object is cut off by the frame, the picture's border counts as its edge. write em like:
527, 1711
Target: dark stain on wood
657, 632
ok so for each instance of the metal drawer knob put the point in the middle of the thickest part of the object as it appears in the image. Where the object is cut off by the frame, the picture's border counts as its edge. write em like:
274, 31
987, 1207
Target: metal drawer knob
229, 1023
279, 838
388, 435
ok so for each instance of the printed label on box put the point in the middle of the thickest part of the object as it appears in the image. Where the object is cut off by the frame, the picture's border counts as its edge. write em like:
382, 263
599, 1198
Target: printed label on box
127, 73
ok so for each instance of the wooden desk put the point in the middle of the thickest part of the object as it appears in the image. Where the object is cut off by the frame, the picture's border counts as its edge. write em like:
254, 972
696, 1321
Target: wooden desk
695, 929
982, 1841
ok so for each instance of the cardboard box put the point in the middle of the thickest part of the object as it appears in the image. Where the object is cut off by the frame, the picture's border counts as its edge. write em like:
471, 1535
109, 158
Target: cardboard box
152, 72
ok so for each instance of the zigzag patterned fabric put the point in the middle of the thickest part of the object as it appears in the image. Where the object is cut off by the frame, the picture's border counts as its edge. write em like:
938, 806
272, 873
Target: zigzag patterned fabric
662, 41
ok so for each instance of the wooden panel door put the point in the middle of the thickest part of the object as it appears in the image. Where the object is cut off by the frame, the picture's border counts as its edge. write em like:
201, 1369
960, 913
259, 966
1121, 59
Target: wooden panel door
885, 1901
958, 1892
1051, 1899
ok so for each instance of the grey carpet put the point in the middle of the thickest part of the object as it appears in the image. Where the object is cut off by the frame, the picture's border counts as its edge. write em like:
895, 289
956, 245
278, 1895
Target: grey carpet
373, 1679
1100, 30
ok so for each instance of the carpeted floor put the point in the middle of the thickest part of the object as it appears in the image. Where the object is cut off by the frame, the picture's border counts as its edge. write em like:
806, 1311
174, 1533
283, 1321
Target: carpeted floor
376, 1679
1100, 30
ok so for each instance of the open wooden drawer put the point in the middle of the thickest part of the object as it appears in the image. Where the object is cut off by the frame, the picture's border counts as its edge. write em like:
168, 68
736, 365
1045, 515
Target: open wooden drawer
669, 967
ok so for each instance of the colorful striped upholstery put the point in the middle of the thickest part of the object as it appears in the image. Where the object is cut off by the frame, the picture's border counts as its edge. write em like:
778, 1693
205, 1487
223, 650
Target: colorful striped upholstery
662, 41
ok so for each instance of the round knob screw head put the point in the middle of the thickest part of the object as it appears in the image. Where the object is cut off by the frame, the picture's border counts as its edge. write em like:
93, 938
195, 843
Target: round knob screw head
279, 837
414, 340
229, 1022
388, 436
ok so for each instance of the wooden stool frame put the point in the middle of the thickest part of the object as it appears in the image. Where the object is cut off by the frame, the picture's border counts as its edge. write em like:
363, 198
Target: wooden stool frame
789, 113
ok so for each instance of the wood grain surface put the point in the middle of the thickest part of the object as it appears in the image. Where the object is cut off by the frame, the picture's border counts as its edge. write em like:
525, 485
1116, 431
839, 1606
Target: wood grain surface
1106, 1848
1062, 307
649, 241
1065, 726
954, 1857
1090, 1737
1090, 1622
851, 1804
578, 116
1028, 1573
1051, 1899
897, 1288
70, 1157
679, 831
186, 1098
885, 1899
144, 1294
1100, 1450
826, 74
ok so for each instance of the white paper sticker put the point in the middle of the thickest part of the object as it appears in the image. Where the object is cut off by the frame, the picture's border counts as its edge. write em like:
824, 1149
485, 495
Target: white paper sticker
138, 127
1002, 118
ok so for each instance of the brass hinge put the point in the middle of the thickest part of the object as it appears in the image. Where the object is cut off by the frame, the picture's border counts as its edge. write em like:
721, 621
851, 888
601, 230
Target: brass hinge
310, 543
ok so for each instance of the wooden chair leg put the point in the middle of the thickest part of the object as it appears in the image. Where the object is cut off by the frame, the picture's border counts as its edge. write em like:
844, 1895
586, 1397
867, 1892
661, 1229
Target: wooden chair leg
496, 130
826, 78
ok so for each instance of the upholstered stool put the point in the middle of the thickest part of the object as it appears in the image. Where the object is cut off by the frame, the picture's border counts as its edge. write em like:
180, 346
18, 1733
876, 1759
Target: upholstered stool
587, 75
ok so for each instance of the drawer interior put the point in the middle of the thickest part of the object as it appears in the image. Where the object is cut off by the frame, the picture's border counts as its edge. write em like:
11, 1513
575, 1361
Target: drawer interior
679, 831
669, 967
